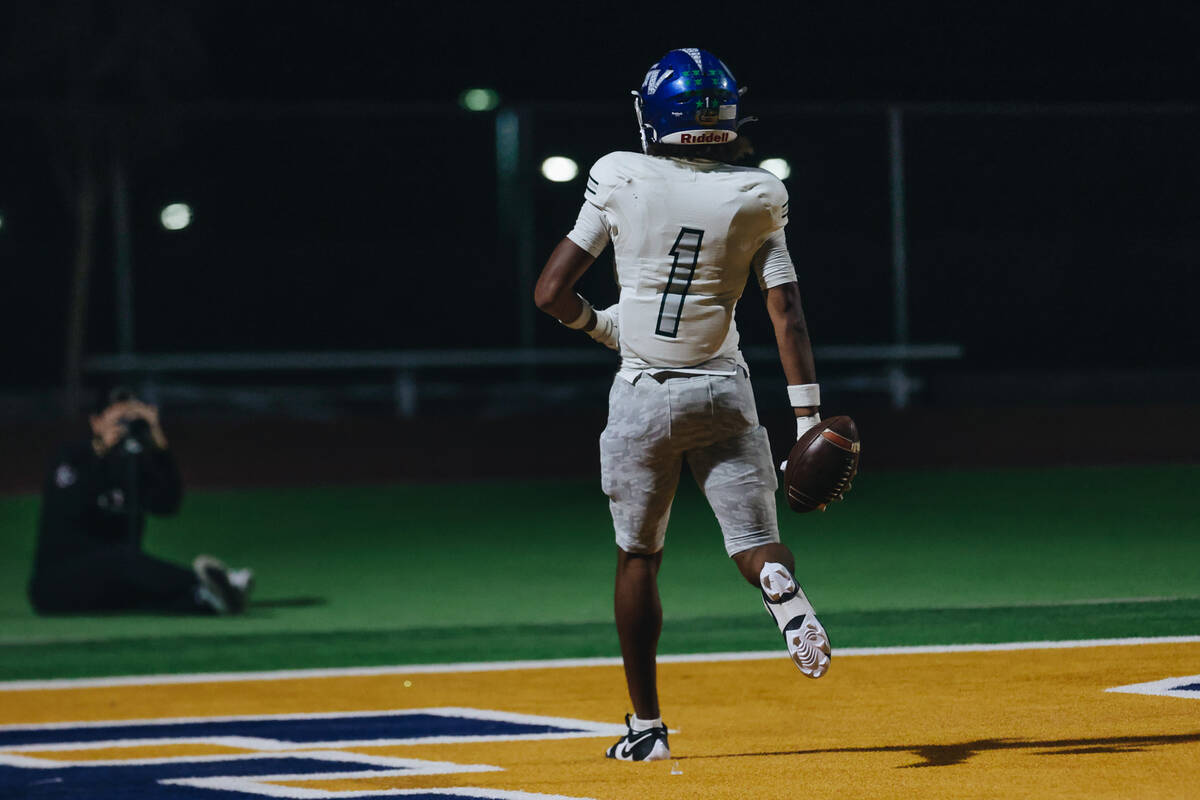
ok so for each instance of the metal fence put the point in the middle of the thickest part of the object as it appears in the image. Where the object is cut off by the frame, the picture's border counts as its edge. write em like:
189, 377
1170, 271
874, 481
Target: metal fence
329, 239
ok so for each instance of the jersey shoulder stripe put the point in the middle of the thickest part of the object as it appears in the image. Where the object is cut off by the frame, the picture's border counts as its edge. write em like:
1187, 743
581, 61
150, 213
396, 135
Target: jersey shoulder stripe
610, 172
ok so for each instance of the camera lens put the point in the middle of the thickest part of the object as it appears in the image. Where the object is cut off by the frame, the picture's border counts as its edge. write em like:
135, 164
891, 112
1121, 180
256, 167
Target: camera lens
137, 430
138, 427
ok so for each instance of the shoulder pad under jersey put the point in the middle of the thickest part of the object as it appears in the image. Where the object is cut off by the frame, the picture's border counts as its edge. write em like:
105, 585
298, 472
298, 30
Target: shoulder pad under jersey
609, 172
774, 196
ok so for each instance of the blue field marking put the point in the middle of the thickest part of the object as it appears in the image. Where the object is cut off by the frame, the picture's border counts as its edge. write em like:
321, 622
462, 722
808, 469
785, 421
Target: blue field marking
43, 760
314, 730
144, 780
395, 727
228, 778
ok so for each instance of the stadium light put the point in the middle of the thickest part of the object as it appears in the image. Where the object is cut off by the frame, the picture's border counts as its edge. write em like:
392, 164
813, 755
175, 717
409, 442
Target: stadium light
479, 99
779, 167
176, 216
559, 169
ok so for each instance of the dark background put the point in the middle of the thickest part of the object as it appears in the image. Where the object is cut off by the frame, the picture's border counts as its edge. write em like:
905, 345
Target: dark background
344, 201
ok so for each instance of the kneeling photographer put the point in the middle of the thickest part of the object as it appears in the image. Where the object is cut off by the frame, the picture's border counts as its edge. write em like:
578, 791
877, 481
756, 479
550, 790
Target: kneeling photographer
94, 501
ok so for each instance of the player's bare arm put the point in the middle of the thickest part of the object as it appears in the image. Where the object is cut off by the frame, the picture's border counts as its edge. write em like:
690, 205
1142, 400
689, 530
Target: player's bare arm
555, 294
555, 290
791, 334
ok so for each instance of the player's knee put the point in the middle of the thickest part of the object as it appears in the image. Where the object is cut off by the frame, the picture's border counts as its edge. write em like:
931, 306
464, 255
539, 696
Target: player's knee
634, 561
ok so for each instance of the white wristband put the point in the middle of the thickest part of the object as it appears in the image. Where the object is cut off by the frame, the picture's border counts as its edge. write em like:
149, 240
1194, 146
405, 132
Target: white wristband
804, 394
585, 315
607, 329
805, 424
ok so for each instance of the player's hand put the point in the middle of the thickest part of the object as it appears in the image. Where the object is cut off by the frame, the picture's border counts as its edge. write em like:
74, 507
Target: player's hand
803, 425
607, 329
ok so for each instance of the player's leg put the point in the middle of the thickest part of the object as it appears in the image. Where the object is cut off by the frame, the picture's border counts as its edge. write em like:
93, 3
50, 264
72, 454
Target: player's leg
745, 509
738, 477
638, 613
639, 473
750, 562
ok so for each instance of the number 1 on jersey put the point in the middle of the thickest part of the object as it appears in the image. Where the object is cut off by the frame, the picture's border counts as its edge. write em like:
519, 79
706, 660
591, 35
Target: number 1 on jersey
679, 281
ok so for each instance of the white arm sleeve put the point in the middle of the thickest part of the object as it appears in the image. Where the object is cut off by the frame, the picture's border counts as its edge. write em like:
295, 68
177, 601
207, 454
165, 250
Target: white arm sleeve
591, 230
772, 263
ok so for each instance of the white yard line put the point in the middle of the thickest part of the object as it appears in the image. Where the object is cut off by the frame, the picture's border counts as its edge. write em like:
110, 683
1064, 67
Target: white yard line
561, 663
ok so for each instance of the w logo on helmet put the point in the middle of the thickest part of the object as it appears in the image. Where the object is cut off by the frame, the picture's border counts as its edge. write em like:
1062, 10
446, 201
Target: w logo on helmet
271, 755
655, 79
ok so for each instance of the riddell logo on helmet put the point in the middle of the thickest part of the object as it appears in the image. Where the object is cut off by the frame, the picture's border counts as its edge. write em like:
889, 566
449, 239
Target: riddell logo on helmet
708, 137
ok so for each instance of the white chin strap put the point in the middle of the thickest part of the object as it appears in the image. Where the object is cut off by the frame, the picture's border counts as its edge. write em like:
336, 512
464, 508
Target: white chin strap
637, 110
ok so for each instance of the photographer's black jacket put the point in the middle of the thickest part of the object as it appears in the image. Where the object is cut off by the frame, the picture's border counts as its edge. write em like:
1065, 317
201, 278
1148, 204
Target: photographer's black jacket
93, 504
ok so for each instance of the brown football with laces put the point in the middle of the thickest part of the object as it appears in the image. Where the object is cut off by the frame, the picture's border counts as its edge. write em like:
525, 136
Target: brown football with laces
821, 464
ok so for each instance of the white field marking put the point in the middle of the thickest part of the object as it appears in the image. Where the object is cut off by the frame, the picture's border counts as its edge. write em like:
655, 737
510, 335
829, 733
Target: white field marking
270, 746
406, 766
258, 785
559, 663
1163, 688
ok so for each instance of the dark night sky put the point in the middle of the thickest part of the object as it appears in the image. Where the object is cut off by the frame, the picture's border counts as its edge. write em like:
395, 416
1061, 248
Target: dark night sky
310, 232
828, 51
801, 50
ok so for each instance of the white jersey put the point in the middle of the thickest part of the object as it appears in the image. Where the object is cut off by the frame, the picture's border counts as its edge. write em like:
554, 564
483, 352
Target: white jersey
685, 234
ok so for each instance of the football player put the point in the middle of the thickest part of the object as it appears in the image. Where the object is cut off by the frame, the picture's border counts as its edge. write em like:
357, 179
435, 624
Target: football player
688, 228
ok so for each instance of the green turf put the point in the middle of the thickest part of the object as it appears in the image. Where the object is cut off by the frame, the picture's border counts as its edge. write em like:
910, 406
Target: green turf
403, 574
203, 653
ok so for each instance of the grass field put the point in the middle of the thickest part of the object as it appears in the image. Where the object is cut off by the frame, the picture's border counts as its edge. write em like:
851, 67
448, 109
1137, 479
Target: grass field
435, 573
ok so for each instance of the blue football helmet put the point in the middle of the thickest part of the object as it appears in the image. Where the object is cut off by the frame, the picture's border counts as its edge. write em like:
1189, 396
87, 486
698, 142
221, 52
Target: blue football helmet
688, 97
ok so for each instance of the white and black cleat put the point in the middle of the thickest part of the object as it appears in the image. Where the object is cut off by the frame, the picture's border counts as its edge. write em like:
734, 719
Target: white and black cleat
807, 642
648, 745
808, 645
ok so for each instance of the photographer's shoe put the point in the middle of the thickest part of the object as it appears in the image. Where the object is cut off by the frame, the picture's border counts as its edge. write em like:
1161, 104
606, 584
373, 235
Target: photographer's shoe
242, 580
215, 580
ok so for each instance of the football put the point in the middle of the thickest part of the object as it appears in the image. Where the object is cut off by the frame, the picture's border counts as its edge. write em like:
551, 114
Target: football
821, 464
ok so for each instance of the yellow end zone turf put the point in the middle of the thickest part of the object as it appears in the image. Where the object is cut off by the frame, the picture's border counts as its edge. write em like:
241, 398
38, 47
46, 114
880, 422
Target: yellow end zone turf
1010, 723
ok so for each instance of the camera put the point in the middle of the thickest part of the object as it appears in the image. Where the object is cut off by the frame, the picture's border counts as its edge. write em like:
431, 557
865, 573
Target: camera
137, 435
